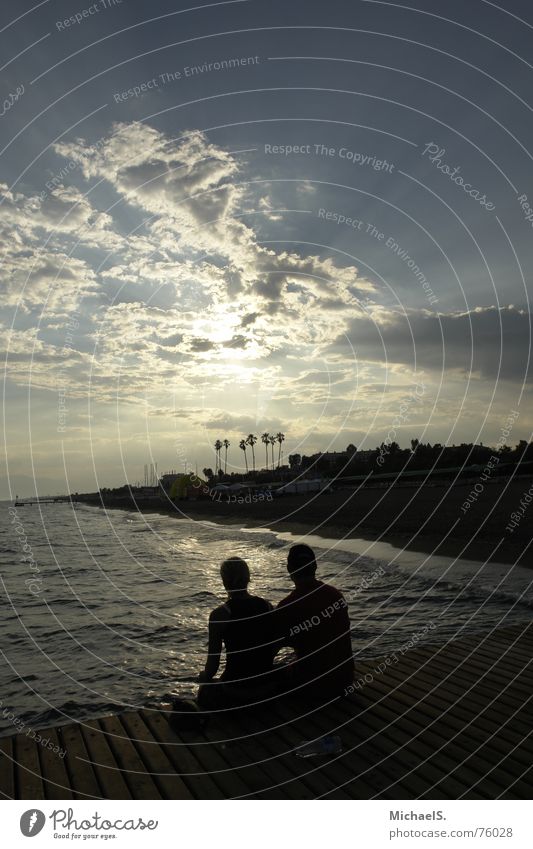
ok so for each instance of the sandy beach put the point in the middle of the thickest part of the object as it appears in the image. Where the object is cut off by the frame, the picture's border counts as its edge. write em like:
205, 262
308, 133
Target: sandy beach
429, 519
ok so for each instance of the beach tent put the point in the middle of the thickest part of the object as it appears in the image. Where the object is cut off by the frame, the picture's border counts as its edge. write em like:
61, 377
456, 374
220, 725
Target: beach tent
185, 485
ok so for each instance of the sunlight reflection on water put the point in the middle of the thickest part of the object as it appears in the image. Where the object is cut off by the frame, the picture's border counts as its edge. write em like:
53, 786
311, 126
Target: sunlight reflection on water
123, 609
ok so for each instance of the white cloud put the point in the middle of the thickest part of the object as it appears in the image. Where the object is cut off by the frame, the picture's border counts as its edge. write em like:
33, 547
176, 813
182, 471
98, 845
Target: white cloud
190, 306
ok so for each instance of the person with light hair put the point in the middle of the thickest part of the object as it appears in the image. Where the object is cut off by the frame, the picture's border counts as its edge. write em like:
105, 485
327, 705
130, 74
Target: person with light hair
243, 626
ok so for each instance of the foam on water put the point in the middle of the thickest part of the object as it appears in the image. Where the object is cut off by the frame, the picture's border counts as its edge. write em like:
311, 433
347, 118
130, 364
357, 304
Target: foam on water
513, 583
121, 615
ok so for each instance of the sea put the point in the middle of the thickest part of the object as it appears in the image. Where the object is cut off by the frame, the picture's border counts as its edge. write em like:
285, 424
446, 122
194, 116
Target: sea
107, 609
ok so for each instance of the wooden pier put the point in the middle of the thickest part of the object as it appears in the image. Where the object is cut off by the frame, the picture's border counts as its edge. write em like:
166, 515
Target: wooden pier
440, 723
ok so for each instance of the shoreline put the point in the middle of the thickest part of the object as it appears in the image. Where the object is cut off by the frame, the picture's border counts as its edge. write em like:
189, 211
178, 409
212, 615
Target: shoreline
425, 520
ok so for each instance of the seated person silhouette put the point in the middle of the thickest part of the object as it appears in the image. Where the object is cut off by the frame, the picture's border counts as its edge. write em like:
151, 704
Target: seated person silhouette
243, 625
313, 620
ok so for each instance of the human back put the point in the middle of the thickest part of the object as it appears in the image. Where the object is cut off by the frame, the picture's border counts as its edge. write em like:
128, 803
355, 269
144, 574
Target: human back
247, 638
313, 619
243, 627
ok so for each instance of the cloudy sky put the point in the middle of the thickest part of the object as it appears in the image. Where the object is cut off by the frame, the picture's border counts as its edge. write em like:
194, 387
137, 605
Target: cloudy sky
236, 217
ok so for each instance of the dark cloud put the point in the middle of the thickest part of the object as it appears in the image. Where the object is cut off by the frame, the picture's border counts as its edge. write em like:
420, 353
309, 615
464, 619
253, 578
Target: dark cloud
486, 341
238, 341
271, 287
242, 424
229, 422
199, 346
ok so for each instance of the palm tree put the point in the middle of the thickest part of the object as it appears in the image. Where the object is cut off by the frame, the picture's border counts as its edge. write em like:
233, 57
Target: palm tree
280, 438
242, 446
218, 446
226, 446
265, 439
272, 440
251, 440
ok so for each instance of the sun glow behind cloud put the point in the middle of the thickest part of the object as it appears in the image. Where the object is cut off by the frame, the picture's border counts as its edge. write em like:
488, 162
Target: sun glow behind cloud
189, 303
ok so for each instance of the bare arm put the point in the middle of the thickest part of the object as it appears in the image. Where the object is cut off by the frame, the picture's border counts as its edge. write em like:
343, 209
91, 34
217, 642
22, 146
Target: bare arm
217, 625
281, 637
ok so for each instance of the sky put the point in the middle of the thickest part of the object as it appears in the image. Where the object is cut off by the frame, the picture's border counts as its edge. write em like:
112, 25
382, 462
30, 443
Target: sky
236, 217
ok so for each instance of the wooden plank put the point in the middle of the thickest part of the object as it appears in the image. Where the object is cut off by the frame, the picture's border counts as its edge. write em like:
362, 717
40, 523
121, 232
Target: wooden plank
323, 775
181, 756
470, 739
7, 768
313, 773
133, 769
404, 740
251, 731
240, 752
82, 776
454, 689
504, 695
371, 736
458, 673
209, 754
527, 780
520, 643
55, 778
353, 771
439, 700
244, 760
28, 780
101, 757
420, 769
439, 752
515, 784
519, 637
458, 663
392, 767
423, 680
278, 767
498, 668
170, 785
515, 652
312, 723
289, 733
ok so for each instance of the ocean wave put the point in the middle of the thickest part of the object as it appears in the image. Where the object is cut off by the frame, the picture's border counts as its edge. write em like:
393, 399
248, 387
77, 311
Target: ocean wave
73, 710
146, 649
